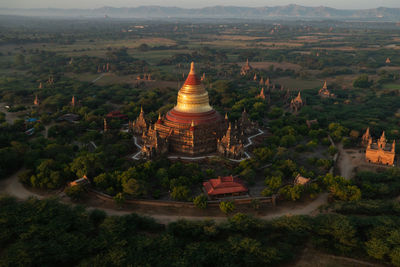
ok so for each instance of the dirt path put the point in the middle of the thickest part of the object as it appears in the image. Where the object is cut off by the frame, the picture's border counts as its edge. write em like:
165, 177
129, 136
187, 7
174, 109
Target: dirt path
46, 129
345, 163
309, 209
10, 116
11, 186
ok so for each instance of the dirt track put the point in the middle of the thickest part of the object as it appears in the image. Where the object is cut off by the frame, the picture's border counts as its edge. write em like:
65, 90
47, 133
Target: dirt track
11, 186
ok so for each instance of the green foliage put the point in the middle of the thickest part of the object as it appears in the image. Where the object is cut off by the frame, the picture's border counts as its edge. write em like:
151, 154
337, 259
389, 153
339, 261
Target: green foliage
273, 182
379, 185
76, 192
119, 199
200, 201
133, 187
341, 189
362, 81
181, 193
376, 248
335, 232
226, 207
267, 192
292, 193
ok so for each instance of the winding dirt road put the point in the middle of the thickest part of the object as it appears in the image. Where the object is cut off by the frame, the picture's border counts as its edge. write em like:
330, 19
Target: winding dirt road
11, 186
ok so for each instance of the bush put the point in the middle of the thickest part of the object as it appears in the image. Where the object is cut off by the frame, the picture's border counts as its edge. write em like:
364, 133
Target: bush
227, 207
75, 192
200, 201
180, 193
362, 81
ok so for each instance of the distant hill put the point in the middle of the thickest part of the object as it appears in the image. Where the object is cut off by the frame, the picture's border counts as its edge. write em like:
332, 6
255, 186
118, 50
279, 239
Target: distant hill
226, 12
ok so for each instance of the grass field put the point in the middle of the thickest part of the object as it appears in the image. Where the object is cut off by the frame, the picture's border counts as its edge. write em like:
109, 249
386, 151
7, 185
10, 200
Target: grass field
391, 86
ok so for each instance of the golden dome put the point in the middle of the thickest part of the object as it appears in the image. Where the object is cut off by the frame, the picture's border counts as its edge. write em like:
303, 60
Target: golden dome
193, 97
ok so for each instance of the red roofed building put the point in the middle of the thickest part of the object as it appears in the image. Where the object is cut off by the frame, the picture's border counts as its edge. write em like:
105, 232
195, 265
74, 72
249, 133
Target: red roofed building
116, 115
224, 186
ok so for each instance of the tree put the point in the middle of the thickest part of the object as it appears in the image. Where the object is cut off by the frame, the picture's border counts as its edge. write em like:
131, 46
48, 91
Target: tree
227, 206
143, 47
119, 199
376, 248
133, 187
273, 182
292, 192
200, 201
180, 192
362, 81
75, 192
89, 164
395, 256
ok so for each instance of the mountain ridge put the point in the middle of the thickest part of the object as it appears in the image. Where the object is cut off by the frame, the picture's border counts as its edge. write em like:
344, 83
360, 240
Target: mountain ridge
291, 11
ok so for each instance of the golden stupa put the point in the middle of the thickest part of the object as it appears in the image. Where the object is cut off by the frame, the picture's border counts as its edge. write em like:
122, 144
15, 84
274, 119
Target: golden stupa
192, 126
193, 97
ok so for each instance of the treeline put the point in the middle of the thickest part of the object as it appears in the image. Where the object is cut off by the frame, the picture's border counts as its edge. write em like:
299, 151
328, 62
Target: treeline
48, 233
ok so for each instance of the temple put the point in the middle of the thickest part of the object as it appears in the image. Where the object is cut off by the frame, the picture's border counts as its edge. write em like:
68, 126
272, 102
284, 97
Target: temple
380, 152
192, 127
246, 69
296, 104
262, 94
36, 102
324, 92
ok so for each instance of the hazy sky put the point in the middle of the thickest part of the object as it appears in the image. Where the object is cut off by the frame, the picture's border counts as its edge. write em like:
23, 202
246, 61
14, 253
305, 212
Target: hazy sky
351, 4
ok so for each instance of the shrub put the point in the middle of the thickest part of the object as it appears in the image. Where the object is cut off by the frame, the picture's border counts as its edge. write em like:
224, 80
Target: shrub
180, 192
227, 207
200, 201
75, 192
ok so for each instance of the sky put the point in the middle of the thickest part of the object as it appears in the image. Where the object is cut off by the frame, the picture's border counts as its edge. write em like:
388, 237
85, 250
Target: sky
342, 4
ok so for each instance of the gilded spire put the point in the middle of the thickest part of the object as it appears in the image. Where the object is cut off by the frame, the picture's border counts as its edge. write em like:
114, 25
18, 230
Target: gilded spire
193, 97
226, 116
192, 70
141, 109
325, 85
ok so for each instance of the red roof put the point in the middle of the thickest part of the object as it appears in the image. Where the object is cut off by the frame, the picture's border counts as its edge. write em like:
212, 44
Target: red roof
224, 185
116, 114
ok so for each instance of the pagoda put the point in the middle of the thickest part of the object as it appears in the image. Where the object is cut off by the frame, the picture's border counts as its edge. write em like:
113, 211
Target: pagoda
36, 102
192, 127
296, 104
246, 69
380, 152
324, 92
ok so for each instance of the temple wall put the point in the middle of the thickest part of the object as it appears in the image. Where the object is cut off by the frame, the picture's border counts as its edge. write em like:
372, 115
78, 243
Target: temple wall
380, 156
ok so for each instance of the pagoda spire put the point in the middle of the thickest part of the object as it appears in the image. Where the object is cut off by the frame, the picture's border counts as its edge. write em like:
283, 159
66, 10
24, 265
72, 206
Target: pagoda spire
325, 85
192, 70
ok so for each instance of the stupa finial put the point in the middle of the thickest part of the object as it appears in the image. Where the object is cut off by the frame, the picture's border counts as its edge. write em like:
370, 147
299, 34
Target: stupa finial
192, 70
